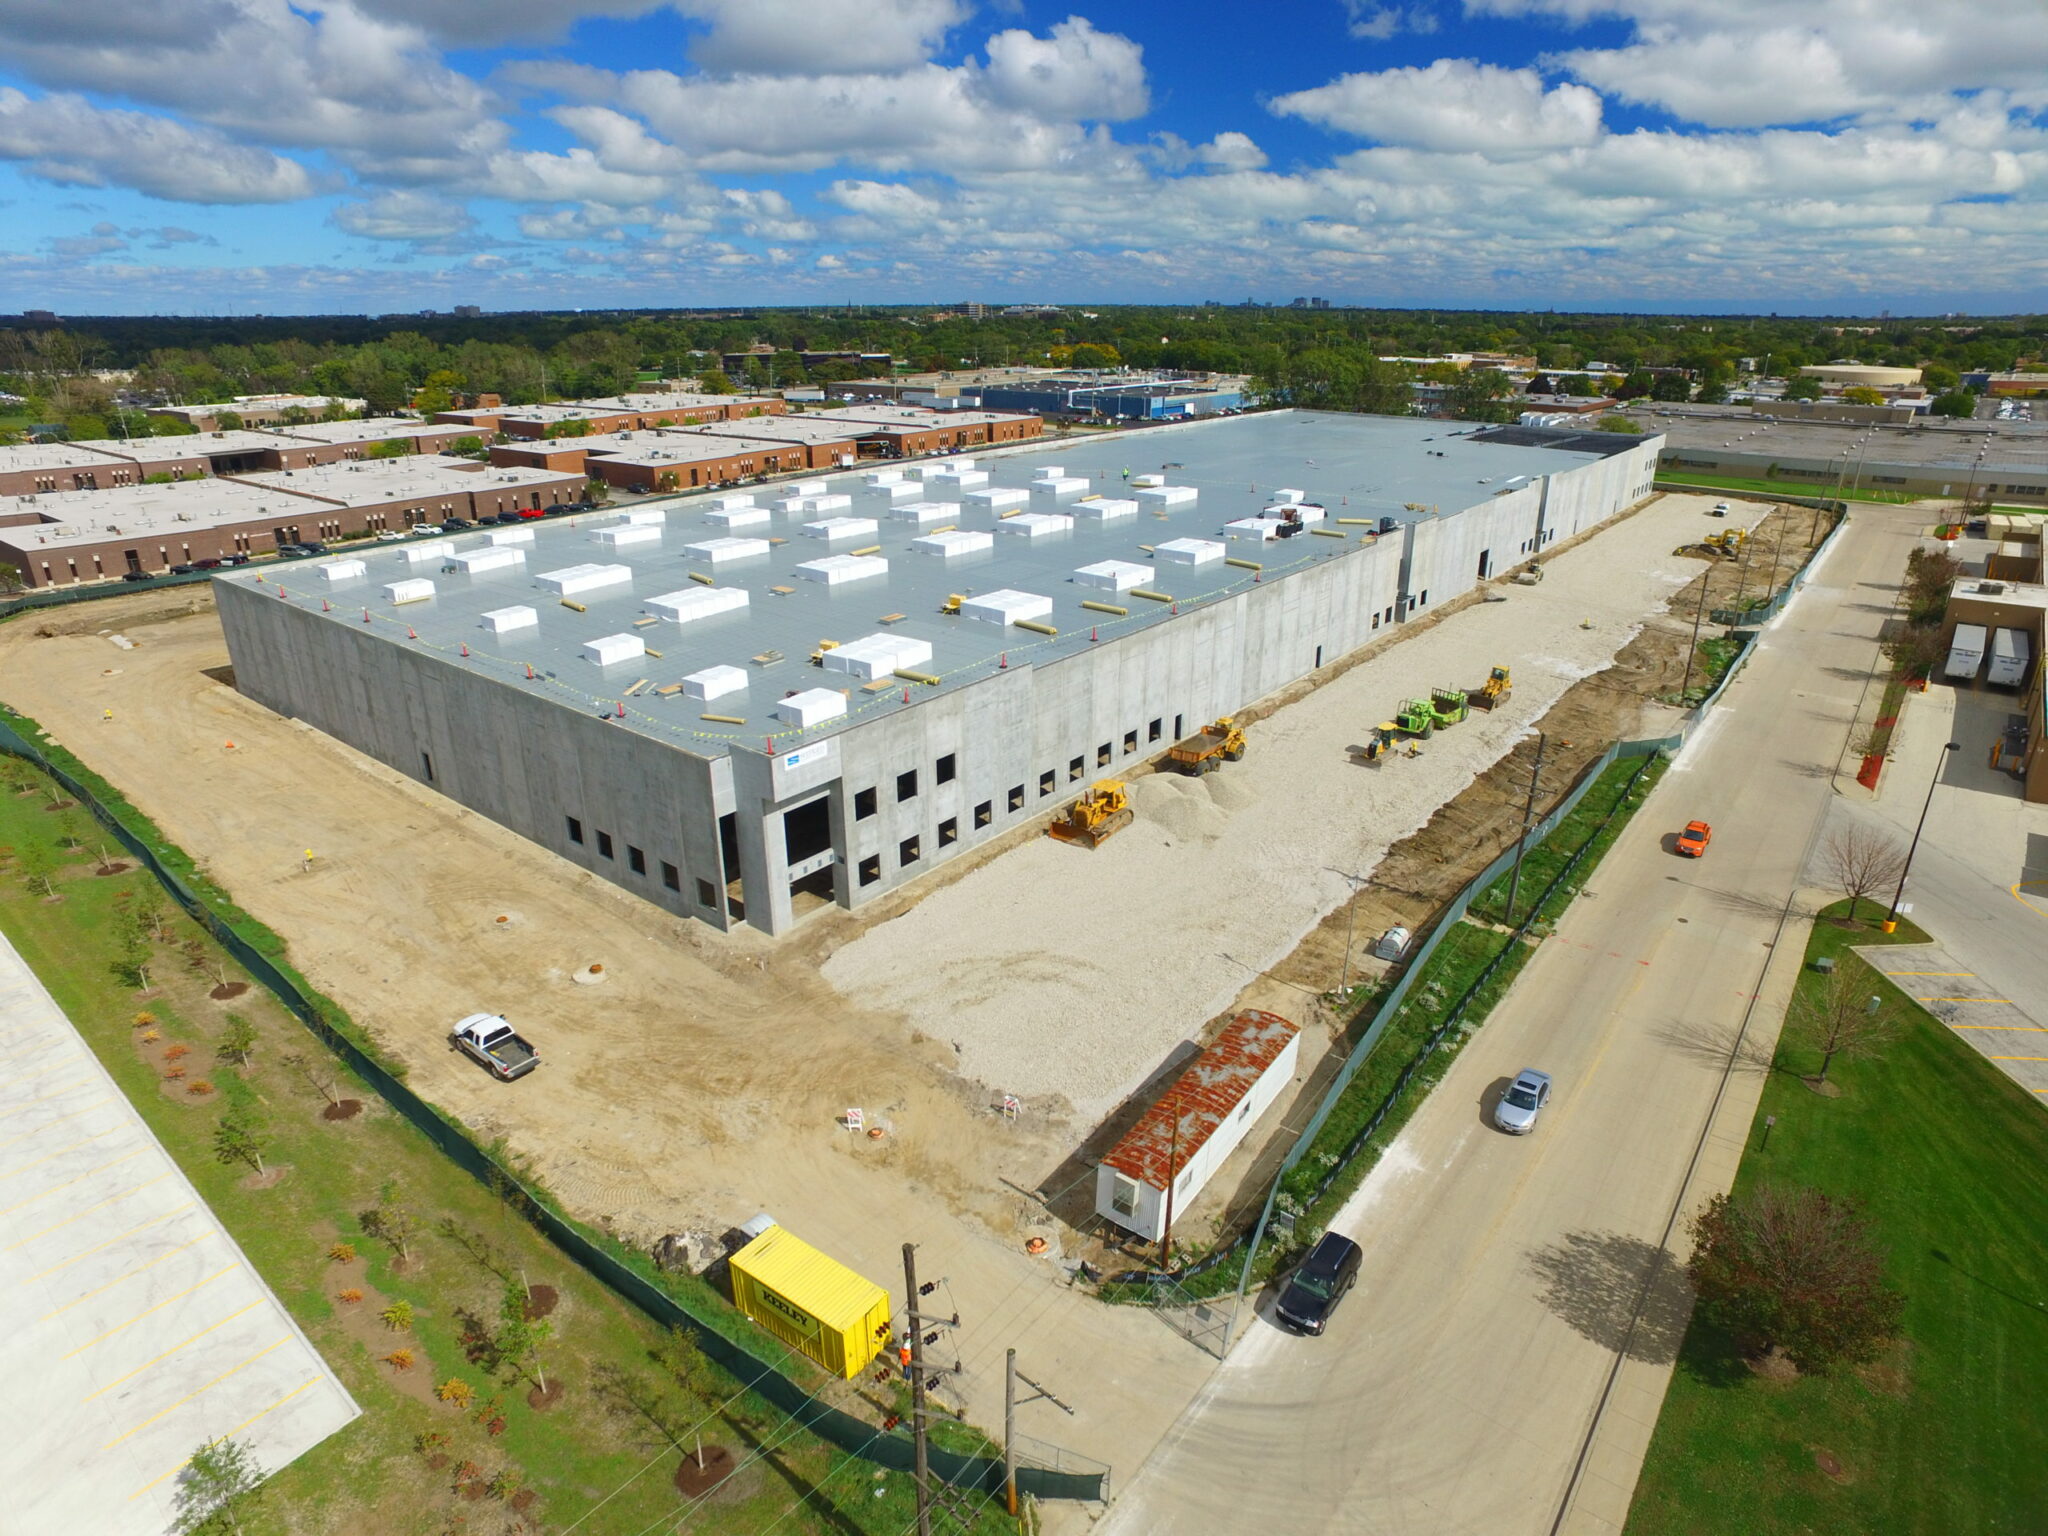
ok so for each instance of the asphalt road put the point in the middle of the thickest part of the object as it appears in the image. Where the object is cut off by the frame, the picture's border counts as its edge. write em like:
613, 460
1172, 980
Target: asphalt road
1497, 1313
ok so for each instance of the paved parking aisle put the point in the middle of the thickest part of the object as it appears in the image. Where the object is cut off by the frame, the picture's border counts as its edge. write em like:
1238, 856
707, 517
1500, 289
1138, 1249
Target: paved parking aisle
132, 1329
1995, 1026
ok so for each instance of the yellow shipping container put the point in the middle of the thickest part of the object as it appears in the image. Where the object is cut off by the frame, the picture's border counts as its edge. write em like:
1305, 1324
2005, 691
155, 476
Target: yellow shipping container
811, 1302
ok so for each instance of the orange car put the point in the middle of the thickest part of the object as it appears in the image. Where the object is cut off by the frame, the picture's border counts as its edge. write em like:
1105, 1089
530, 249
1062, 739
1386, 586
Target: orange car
1692, 842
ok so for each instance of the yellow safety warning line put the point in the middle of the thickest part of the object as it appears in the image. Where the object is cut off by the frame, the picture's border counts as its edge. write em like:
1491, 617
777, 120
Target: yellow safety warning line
89, 1173
181, 1466
2016, 1058
79, 1215
2014, 889
146, 1311
2018, 1029
1930, 973
173, 1253
196, 1392
120, 1238
202, 1333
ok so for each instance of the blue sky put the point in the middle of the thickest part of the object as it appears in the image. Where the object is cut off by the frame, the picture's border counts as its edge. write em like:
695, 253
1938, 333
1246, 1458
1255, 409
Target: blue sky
230, 156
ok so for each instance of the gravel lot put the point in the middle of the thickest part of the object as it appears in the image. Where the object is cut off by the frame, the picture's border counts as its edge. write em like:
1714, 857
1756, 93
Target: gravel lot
1064, 974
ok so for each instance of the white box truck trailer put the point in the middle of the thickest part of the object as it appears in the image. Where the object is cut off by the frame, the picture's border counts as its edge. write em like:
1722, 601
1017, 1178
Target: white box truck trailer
1965, 654
2011, 650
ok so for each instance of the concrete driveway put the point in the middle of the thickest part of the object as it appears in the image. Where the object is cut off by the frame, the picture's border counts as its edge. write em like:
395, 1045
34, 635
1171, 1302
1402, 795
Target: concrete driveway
1502, 1363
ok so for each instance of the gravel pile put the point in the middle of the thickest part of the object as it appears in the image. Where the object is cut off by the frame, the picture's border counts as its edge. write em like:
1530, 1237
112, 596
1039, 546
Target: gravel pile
1065, 972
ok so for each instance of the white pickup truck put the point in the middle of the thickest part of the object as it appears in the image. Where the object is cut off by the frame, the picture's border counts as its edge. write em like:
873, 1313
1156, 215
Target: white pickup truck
492, 1041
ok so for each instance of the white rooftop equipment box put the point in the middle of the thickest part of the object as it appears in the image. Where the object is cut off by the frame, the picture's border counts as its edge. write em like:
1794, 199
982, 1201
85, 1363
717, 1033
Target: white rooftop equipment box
343, 570
957, 541
509, 536
732, 501
1063, 488
1167, 496
720, 551
814, 706
1006, 606
1048, 472
643, 517
420, 554
1106, 510
1141, 481
417, 590
1188, 551
838, 570
609, 649
1034, 525
923, 513
502, 621
811, 488
693, 603
1258, 529
875, 656
631, 534
471, 562
737, 517
572, 579
834, 529
1113, 575
996, 499
714, 683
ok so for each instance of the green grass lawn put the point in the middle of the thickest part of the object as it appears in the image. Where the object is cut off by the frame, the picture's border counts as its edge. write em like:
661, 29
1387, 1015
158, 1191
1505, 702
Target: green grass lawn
370, 1476
1948, 1431
1542, 862
1782, 487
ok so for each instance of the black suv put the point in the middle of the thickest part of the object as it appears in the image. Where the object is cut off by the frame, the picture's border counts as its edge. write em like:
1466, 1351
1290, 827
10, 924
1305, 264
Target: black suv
1313, 1292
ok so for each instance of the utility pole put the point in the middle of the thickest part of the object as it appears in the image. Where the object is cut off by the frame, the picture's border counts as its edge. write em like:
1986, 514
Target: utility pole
921, 1471
1528, 815
1010, 1379
1692, 650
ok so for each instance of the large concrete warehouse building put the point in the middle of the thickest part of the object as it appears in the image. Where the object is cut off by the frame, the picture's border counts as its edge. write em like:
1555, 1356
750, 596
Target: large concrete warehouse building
636, 691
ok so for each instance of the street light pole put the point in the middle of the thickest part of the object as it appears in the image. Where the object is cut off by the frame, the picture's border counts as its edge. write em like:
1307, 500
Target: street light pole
1891, 920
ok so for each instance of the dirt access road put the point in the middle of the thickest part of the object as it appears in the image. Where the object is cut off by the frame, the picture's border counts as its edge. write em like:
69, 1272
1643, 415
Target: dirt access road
701, 1081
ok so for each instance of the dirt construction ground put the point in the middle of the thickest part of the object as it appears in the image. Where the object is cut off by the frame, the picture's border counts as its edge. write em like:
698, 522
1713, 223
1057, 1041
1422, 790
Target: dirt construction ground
702, 1078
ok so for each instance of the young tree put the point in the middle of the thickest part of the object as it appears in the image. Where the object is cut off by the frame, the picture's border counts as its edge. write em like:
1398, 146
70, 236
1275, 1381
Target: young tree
1958, 403
392, 1223
1793, 1271
237, 1041
316, 1076
1915, 651
134, 954
1842, 1016
1614, 423
10, 578
1860, 861
521, 1339
1803, 388
37, 866
222, 1483
68, 833
239, 1137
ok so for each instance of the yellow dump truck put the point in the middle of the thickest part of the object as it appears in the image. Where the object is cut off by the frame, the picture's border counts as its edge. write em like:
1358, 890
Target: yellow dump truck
811, 1302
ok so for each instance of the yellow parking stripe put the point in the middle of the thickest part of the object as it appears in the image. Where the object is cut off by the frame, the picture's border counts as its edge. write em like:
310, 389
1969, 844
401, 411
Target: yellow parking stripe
121, 1238
1930, 973
202, 1333
138, 1269
32, 1135
37, 1162
196, 1392
181, 1466
59, 1226
2005, 1000
2016, 1058
89, 1173
145, 1312
2018, 1029
8, 1114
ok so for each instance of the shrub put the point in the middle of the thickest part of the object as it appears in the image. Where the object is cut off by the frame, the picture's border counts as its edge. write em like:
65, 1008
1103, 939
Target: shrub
455, 1390
199, 1086
398, 1316
175, 1074
343, 1253
144, 1019
399, 1359
349, 1297
177, 1052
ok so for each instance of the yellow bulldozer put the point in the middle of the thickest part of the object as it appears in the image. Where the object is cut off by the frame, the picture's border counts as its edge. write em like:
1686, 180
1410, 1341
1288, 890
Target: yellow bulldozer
1495, 690
1102, 811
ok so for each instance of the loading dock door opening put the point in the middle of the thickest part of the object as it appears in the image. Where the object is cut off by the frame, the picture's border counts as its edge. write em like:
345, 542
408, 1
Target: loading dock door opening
729, 857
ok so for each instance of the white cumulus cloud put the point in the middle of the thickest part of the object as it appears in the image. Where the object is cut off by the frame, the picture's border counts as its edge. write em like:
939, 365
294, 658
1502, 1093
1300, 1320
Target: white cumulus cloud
1454, 104
1073, 72
67, 140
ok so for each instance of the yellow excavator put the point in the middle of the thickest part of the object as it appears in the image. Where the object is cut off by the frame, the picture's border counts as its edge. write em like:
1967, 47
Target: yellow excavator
1102, 811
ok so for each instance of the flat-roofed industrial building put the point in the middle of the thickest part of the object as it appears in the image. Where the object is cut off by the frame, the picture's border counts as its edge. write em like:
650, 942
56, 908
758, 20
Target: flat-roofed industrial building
638, 693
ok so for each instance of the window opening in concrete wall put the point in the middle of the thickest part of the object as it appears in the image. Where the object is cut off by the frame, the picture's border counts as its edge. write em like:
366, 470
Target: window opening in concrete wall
946, 770
707, 894
1046, 781
985, 813
1375, 621
1130, 742
1485, 563
1102, 755
871, 869
1155, 730
907, 852
1076, 766
575, 829
906, 786
636, 860
427, 765
604, 844
807, 829
1016, 797
863, 804
671, 876
1178, 733
949, 831
1319, 655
